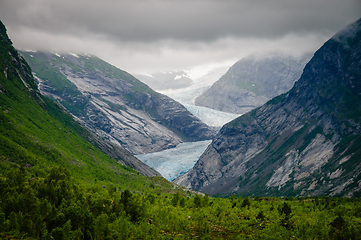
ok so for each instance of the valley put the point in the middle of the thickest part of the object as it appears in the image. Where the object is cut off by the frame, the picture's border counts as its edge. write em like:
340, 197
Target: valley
268, 148
271, 71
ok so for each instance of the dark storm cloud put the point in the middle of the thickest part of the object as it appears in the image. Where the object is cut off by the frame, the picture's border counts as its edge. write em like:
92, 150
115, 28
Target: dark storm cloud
189, 20
163, 35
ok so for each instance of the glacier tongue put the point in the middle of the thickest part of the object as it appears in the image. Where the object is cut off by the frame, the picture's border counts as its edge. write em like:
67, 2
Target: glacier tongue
174, 162
210, 116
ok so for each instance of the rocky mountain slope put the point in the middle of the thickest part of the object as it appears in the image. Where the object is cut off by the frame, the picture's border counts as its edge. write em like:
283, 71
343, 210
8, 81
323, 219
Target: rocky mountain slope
304, 142
37, 133
252, 81
114, 104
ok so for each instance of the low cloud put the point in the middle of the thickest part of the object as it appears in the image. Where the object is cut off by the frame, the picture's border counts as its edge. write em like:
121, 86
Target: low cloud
152, 35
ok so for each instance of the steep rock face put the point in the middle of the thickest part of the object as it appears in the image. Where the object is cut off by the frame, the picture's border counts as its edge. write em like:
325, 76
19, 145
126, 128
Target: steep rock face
304, 142
252, 81
114, 104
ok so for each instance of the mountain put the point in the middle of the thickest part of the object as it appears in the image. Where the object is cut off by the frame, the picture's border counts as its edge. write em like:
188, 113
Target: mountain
114, 104
36, 133
304, 142
252, 81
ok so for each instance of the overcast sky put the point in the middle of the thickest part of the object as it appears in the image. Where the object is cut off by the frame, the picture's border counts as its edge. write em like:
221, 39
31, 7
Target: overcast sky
143, 36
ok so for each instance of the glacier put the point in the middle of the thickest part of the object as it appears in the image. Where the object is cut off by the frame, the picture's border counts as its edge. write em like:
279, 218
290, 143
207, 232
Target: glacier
172, 163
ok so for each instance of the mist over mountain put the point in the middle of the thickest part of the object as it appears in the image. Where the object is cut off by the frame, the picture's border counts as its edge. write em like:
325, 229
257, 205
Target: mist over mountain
114, 104
252, 81
166, 80
304, 142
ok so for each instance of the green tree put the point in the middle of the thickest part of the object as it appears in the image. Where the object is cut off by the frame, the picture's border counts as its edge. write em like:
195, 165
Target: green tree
338, 225
197, 201
286, 213
246, 202
133, 206
175, 199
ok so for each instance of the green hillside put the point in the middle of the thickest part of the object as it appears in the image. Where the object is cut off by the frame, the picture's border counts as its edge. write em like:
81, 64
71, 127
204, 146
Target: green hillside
37, 134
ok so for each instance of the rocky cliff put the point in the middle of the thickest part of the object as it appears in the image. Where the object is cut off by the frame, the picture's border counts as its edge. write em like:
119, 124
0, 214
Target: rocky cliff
252, 81
114, 104
304, 142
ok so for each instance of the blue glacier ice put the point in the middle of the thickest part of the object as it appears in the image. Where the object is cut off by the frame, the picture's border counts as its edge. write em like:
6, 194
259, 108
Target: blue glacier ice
174, 162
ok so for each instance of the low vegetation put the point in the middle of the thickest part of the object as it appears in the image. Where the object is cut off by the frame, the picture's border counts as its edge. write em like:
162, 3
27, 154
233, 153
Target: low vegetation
57, 207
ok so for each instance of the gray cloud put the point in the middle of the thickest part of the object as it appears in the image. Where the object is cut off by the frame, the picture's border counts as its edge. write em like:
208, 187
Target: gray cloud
195, 20
165, 28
